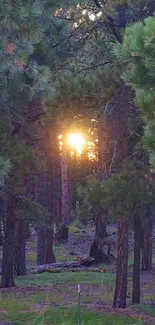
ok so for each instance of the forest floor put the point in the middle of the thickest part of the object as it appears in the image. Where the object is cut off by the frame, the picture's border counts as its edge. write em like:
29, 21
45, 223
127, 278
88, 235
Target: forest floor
51, 298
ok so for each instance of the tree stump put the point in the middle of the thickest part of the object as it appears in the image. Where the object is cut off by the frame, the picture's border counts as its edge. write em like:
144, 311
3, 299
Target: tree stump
62, 233
98, 254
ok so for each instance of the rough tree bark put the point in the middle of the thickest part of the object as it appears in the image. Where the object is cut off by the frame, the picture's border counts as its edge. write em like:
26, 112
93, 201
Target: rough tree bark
9, 240
1, 235
62, 174
122, 265
136, 266
28, 233
147, 243
53, 190
49, 253
41, 244
2, 208
41, 231
97, 248
65, 189
49, 193
20, 246
115, 150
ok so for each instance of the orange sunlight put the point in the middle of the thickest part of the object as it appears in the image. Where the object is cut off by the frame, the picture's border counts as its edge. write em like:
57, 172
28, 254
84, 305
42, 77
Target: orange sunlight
77, 141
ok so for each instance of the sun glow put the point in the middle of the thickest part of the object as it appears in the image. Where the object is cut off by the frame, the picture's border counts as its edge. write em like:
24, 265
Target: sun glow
77, 141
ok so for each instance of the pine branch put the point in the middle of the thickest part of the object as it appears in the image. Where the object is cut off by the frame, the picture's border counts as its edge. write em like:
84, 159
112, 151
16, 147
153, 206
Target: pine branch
93, 67
112, 24
98, 4
114, 30
4, 169
113, 157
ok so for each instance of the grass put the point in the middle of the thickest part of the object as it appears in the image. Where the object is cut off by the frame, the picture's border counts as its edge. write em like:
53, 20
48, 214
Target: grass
106, 296
62, 258
59, 258
48, 297
57, 316
46, 279
75, 226
91, 298
150, 297
131, 259
68, 294
147, 309
86, 299
32, 257
10, 303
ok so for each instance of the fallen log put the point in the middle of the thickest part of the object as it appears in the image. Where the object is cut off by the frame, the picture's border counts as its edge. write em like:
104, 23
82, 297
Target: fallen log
81, 264
71, 269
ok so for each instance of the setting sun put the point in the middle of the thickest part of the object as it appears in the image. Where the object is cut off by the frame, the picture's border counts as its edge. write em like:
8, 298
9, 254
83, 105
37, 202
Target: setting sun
77, 141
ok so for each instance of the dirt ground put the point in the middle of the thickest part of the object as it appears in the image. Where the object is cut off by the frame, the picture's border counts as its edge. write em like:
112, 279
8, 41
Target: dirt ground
97, 292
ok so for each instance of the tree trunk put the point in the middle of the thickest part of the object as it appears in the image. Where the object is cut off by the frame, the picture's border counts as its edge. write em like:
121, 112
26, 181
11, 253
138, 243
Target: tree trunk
41, 243
101, 227
136, 266
2, 210
20, 246
65, 190
97, 248
28, 233
147, 244
122, 265
8, 248
1, 235
49, 253
41, 231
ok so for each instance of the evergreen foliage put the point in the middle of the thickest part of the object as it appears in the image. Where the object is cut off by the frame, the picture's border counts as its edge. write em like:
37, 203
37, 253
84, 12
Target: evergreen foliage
90, 199
137, 55
32, 212
27, 30
129, 194
4, 169
22, 27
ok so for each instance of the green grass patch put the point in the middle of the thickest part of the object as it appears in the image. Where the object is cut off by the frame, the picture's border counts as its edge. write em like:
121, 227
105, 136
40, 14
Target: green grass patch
10, 303
131, 259
147, 309
20, 318
86, 298
32, 257
48, 297
46, 279
62, 258
75, 226
150, 296
106, 296
61, 316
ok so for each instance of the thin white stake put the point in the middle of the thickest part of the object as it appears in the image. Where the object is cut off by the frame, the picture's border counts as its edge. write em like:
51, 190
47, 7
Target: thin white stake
79, 305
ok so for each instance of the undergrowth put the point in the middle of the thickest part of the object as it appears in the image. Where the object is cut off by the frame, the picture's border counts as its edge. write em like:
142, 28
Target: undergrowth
57, 316
47, 279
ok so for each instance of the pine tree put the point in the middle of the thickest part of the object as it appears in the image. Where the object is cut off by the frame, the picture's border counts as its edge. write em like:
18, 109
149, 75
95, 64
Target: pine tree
137, 55
25, 84
130, 195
